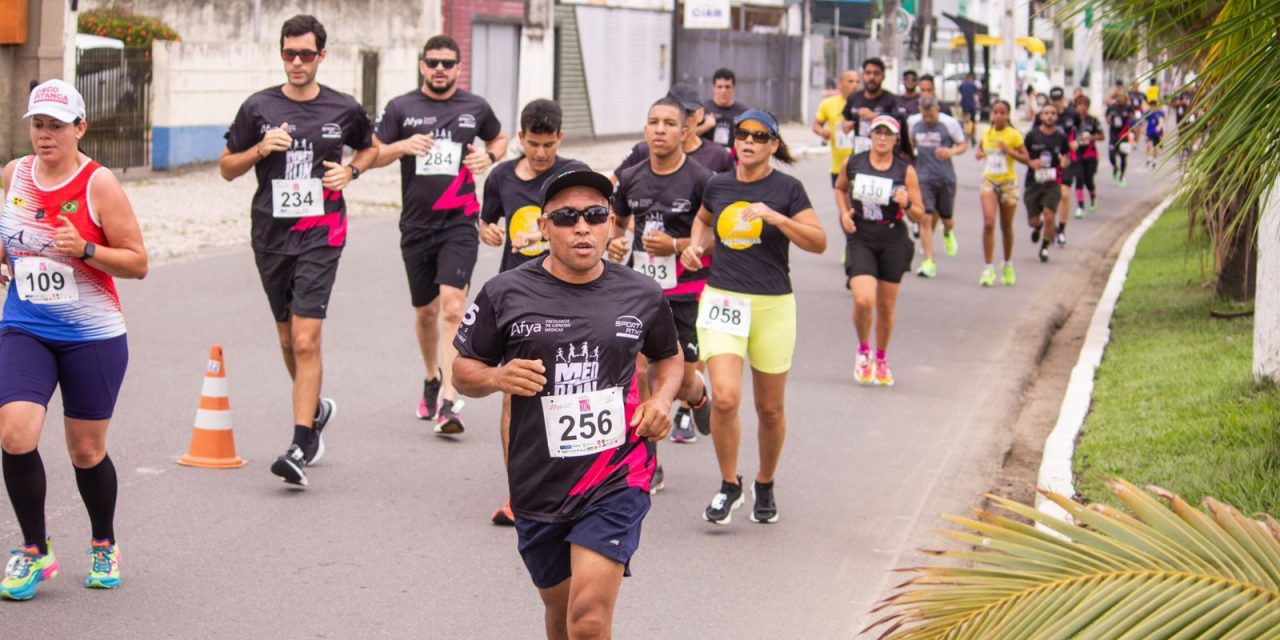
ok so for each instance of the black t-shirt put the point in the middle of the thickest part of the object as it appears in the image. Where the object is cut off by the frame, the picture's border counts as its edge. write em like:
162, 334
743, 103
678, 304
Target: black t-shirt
884, 104
436, 190
520, 202
320, 127
907, 106
752, 257
668, 204
722, 133
1086, 147
587, 336
712, 156
1049, 148
877, 203
1119, 116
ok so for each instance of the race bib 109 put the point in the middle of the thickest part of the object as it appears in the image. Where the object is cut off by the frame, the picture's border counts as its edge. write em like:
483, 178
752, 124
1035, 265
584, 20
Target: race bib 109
444, 159
45, 281
660, 268
297, 198
583, 424
873, 189
725, 313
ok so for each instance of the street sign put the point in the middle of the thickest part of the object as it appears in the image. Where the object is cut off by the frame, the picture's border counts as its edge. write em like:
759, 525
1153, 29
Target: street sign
706, 14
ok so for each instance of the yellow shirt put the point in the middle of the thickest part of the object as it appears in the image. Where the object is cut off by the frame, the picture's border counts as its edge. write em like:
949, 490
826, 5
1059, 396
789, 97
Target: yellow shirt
1153, 93
990, 147
830, 113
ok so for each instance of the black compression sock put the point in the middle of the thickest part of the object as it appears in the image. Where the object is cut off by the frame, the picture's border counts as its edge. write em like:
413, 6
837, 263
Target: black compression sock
1062, 226
301, 435
1044, 244
98, 487
24, 478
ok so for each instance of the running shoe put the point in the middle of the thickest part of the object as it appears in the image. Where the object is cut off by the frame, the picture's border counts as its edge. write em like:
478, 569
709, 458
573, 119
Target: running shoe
862, 369
1093, 208
1007, 278
429, 403
325, 412
765, 510
928, 269
289, 466
702, 410
1122, 182
949, 244
1061, 238
503, 516
1044, 253
1079, 212
884, 375
658, 481
720, 511
449, 422
915, 230
682, 427
105, 571
27, 568
988, 277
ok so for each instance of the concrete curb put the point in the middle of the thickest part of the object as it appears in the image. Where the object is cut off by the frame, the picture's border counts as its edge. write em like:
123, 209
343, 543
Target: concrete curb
1056, 473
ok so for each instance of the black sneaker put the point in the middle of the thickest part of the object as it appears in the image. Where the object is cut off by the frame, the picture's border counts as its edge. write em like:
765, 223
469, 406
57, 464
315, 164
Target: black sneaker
720, 511
449, 422
1044, 253
657, 482
1035, 234
289, 466
429, 403
682, 426
766, 510
702, 410
314, 449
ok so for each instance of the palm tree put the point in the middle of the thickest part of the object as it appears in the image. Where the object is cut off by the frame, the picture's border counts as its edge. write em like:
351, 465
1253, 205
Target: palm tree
1164, 572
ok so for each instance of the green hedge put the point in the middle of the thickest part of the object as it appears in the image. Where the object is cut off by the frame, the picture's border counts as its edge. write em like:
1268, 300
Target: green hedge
135, 30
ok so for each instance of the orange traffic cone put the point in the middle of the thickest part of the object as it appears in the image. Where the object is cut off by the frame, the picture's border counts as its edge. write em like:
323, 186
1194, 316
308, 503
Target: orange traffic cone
213, 446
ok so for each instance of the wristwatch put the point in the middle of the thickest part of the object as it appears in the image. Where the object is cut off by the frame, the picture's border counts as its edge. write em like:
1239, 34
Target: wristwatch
355, 171
89, 250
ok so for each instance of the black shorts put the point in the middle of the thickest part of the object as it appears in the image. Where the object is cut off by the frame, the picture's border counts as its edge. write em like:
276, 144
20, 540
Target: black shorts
298, 285
609, 527
939, 197
686, 315
1155, 138
89, 373
1040, 196
438, 257
883, 251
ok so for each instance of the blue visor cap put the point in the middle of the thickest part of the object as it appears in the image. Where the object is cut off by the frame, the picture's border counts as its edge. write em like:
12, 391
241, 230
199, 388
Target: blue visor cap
760, 116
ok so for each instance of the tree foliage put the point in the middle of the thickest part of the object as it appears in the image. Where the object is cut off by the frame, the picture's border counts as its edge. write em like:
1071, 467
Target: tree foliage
133, 29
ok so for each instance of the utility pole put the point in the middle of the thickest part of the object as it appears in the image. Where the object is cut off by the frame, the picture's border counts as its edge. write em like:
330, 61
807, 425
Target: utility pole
924, 16
889, 44
1008, 69
1057, 72
806, 59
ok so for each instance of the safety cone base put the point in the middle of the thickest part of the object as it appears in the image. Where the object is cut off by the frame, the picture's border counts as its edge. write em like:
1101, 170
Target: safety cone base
211, 463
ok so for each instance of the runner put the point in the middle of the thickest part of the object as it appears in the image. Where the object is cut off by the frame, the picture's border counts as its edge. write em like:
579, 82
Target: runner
664, 195
712, 156
1001, 145
748, 308
432, 131
875, 192
1120, 119
561, 335
62, 327
969, 106
937, 138
292, 137
514, 191
1068, 120
721, 110
1084, 156
827, 123
1155, 132
1047, 150
863, 106
909, 101
927, 89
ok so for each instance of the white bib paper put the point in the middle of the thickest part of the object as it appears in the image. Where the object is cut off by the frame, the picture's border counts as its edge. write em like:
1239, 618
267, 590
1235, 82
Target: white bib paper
725, 313
873, 189
582, 424
996, 163
660, 268
1047, 174
861, 144
444, 159
845, 140
721, 135
45, 281
297, 198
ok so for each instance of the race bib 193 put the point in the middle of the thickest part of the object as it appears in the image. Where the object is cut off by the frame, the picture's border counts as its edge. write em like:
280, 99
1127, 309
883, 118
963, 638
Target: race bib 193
660, 268
45, 281
583, 424
444, 159
725, 313
873, 189
996, 163
297, 198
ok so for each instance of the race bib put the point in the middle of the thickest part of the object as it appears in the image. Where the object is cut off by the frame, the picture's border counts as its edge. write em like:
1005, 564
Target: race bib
1046, 174
873, 189
845, 140
660, 268
1117, 122
1125, 148
297, 198
996, 163
861, 144
1086, 138
722, 135
45, 281
725, 313
444, 159
582, 424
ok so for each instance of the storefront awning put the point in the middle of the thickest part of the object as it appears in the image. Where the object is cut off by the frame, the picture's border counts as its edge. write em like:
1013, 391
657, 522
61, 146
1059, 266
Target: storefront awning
1031, 44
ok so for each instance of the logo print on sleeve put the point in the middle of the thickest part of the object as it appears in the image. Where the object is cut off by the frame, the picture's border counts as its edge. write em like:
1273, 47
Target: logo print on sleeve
735, 232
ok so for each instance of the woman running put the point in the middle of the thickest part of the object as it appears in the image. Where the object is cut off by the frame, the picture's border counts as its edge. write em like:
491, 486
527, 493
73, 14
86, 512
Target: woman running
1084, 156
874, 191
1001, 145
68, 228
747, 309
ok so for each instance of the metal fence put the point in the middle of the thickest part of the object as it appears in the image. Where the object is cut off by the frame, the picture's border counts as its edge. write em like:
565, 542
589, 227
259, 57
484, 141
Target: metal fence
116, 85
767, 67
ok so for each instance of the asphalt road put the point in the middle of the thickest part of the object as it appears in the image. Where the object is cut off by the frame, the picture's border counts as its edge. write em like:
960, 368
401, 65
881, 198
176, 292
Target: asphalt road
393, 539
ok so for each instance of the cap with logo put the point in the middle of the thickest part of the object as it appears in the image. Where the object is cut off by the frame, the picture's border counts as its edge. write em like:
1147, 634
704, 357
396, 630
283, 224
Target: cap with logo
1056, 93
577, 177
57, 99
686, 95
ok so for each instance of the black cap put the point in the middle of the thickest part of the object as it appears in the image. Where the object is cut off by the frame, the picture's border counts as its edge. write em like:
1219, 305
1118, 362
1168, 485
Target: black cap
579, 176
686, 95
1056, 93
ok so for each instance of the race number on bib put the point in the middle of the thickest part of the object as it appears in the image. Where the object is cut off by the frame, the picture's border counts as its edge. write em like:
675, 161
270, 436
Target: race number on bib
45, 281
845, 140
996, 163
725, 313
444, 159
722, 134
1046, 174
660, 268
861, 144
297, 198
873, 189
1117, 122
582, 424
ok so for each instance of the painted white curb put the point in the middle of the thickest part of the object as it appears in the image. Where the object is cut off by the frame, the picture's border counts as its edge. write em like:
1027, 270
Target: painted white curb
1059, 448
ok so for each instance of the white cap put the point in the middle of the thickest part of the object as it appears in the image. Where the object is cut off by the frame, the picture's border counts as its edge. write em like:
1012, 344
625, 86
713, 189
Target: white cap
58, 99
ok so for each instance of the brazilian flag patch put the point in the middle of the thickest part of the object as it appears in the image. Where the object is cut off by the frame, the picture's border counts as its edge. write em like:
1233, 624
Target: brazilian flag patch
70, 207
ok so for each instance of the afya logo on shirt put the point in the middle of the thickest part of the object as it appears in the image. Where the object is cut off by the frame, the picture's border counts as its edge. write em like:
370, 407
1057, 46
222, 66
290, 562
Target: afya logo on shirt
418, 122
577, 371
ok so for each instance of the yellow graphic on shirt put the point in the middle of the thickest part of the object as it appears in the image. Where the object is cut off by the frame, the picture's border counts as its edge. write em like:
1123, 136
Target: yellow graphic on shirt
524, 222
735, 232
18, 201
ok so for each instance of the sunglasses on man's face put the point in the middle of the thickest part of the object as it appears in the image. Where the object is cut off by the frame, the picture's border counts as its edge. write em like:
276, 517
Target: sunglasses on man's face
760, 137
568, 216
307, 55
435, 63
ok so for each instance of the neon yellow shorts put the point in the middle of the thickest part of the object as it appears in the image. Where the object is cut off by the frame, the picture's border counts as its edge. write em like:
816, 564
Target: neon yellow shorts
772, 335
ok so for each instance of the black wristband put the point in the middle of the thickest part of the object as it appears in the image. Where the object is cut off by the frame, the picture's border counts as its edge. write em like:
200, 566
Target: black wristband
355, 171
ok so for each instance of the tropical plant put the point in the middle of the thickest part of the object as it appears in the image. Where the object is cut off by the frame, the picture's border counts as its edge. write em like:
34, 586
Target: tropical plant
1164, 572
133, 29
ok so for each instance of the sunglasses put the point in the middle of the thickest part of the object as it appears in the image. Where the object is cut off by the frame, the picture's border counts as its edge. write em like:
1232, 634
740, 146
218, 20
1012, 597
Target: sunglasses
568, 216
760, 137
307, 55
433, 63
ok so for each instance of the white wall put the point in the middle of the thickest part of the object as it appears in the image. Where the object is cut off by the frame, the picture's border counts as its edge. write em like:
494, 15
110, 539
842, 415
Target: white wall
1266, 315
